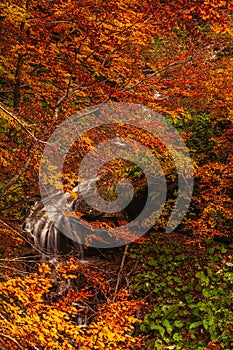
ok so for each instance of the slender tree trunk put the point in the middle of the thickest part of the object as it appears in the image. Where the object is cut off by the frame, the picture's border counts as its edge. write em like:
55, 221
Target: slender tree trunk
16, 96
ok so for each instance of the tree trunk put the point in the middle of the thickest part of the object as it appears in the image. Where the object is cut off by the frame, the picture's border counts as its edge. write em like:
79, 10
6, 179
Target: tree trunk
16, 96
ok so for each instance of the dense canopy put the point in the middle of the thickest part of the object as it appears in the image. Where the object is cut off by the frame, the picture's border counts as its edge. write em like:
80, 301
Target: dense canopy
59, 57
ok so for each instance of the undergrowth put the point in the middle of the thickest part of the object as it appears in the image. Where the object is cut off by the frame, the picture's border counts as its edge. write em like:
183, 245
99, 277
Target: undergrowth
188, 289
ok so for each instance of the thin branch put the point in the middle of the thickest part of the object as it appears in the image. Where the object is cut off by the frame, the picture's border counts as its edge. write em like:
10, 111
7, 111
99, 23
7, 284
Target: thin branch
21, 124
15, 178
63, 98
12, 339
19, 272
120, 272
158, 72
19, 234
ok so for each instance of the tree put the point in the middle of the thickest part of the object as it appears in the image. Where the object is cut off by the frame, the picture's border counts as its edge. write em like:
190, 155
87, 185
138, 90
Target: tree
72, 57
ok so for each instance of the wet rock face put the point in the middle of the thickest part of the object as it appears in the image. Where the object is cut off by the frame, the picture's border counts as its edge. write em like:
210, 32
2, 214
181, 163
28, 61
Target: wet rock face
59, 235
47, 236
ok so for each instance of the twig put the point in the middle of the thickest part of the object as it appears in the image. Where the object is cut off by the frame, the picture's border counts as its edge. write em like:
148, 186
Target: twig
157, 72
21, 124
20, 235
9, 337
120, 272
19, 272
15, 178
63, 98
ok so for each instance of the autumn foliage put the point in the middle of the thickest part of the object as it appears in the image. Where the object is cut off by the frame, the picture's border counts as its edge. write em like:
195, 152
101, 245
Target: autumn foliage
58, 57
42, 309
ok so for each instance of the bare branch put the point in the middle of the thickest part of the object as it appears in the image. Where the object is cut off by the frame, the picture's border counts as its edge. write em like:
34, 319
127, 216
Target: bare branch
120, 272
19, 234
63, 98
158, 72
12, 339
21, 124
15, 178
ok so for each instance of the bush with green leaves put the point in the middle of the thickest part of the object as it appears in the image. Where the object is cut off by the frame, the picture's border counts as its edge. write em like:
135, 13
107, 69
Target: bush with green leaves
189, 293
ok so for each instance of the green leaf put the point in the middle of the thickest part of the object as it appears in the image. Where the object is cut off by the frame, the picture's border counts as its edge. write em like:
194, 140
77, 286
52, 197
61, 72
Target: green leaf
205, 323
178, 324
167, 325
177, 337
195, 324
208, 319
206, 292
203, 278
152, 262
223, 250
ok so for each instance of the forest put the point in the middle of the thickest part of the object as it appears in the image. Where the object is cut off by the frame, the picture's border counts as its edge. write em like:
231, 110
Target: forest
84, 83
